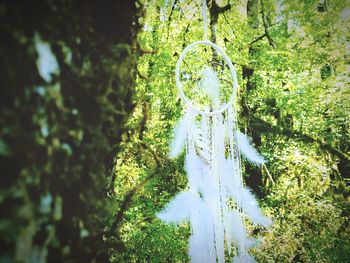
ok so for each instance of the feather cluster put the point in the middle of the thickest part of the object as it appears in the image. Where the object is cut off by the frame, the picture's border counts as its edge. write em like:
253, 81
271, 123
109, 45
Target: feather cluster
247, 150
210, 85
213, 149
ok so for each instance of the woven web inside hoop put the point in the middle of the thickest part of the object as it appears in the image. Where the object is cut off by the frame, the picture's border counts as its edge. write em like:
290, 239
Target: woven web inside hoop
232, 70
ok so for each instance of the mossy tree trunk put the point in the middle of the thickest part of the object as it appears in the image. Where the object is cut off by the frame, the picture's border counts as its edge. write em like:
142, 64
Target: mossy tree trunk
59, 135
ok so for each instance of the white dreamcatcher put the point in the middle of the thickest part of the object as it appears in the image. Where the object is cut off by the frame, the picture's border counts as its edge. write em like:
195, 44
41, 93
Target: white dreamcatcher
215, 199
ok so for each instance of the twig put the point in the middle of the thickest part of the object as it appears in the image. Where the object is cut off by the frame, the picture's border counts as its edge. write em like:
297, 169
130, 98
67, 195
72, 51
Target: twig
230, 25
266, 25
264, 126
257, 39
169, 19
268, 173
187, 27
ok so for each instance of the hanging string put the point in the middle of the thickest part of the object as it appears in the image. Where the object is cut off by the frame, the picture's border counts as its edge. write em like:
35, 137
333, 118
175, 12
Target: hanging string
204, 14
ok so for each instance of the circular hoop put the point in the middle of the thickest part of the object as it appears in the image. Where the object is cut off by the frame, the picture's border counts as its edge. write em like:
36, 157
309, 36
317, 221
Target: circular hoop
232, 69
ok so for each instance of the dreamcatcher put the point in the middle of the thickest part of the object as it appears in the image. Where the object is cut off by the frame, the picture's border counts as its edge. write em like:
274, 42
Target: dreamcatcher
216, 199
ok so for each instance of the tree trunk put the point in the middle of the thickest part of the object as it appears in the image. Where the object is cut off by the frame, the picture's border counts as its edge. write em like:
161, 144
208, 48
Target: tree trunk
254, 180
60, 130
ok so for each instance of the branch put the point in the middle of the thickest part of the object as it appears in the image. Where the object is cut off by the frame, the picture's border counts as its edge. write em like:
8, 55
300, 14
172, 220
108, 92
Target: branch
187, 27
129, 198
141, 51
142, 76
265, 126
266, 25
143, 123
268, 173
257, 39
230, 25
169, 19
153, 153
223, 9
214, 12
130, 195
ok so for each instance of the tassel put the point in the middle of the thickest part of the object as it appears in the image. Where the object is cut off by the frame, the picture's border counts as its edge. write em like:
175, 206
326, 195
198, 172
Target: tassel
216, 201
247, 150
202, 245
202, 141
237, 231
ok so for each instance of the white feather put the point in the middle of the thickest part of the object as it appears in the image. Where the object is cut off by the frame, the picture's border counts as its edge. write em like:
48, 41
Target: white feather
194, 167
252, 242
215, 201
188, 206
231, 180
212, 199
236, 231
243, 197
243, 259
210, 186
179, 209
251, 208
179, 137
247, 150
229, 230
246, 200
218, 229
202, 245
210, 85
199, 178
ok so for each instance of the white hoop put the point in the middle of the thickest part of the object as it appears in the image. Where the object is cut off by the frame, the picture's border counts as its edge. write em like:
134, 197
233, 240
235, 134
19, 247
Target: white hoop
232, 69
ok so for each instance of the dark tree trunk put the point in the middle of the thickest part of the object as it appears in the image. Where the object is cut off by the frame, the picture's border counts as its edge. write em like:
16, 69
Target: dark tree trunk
254, 178
58, 138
